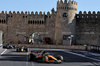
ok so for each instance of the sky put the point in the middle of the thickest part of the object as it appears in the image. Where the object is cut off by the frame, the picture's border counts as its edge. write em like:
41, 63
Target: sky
45, 5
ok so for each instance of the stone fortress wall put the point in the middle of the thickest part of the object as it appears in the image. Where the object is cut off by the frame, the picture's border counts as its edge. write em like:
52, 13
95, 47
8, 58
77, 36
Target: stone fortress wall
84, 27
88, 28
18, 25
65, 20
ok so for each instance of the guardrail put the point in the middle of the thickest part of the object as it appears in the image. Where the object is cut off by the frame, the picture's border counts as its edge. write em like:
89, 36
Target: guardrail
95, 48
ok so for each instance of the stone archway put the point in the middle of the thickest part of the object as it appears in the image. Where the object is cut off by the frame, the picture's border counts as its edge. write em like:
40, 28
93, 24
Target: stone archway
35, 38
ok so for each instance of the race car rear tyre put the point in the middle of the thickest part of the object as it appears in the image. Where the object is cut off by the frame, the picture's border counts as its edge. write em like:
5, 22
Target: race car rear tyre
59, 57
31, 57
45, 59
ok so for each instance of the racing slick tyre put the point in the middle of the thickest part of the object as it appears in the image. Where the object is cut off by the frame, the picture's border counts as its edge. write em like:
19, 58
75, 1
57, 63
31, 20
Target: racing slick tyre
31, 57
45, 59
4, 46
59, 57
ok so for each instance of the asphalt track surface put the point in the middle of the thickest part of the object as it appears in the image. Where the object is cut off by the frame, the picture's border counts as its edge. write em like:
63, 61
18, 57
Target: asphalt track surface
13, 58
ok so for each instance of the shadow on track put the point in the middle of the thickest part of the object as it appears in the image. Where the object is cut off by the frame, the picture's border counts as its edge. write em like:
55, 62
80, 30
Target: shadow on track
13, 57
67, 57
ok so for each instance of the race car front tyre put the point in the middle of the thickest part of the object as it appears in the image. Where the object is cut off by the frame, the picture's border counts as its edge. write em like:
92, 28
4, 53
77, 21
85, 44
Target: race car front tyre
59, 57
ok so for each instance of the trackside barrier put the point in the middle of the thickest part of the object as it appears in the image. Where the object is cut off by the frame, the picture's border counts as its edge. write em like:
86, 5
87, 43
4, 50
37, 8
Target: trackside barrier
95, 48
1, 46
74, 47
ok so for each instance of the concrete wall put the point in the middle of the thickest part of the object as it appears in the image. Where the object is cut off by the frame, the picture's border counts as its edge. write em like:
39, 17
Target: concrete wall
1, 46
1, 40
51, 46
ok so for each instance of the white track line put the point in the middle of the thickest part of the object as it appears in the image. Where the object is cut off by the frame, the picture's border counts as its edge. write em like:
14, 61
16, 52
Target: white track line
3, 52
27, 59
33, 64
82, 56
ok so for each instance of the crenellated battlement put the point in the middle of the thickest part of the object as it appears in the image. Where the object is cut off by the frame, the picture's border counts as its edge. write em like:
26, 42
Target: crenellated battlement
65, 2
71, 5
72, 2
88, 14
24, 13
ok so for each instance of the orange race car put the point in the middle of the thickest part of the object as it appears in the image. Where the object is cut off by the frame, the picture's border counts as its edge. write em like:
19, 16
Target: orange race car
43, 56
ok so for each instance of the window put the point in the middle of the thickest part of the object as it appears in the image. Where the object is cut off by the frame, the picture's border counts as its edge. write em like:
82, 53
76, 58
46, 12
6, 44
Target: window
29, 22
42, 22
49, 16
33, 21
37, 22
4, 21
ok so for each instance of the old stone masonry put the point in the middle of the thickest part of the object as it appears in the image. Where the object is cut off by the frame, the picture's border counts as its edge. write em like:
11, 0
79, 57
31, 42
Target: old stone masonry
64, 26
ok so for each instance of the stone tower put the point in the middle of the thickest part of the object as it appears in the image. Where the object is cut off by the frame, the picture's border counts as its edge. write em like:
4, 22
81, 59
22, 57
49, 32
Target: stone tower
65, 22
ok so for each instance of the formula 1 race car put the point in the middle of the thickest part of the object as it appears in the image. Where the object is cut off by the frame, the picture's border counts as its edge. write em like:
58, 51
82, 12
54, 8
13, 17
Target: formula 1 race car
42, 56
8, 46
22, 49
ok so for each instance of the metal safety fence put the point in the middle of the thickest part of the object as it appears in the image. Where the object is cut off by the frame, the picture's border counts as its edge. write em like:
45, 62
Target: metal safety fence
95, 48
1, 46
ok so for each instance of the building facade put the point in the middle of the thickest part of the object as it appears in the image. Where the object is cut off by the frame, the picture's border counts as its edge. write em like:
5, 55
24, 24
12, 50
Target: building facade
63, 26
